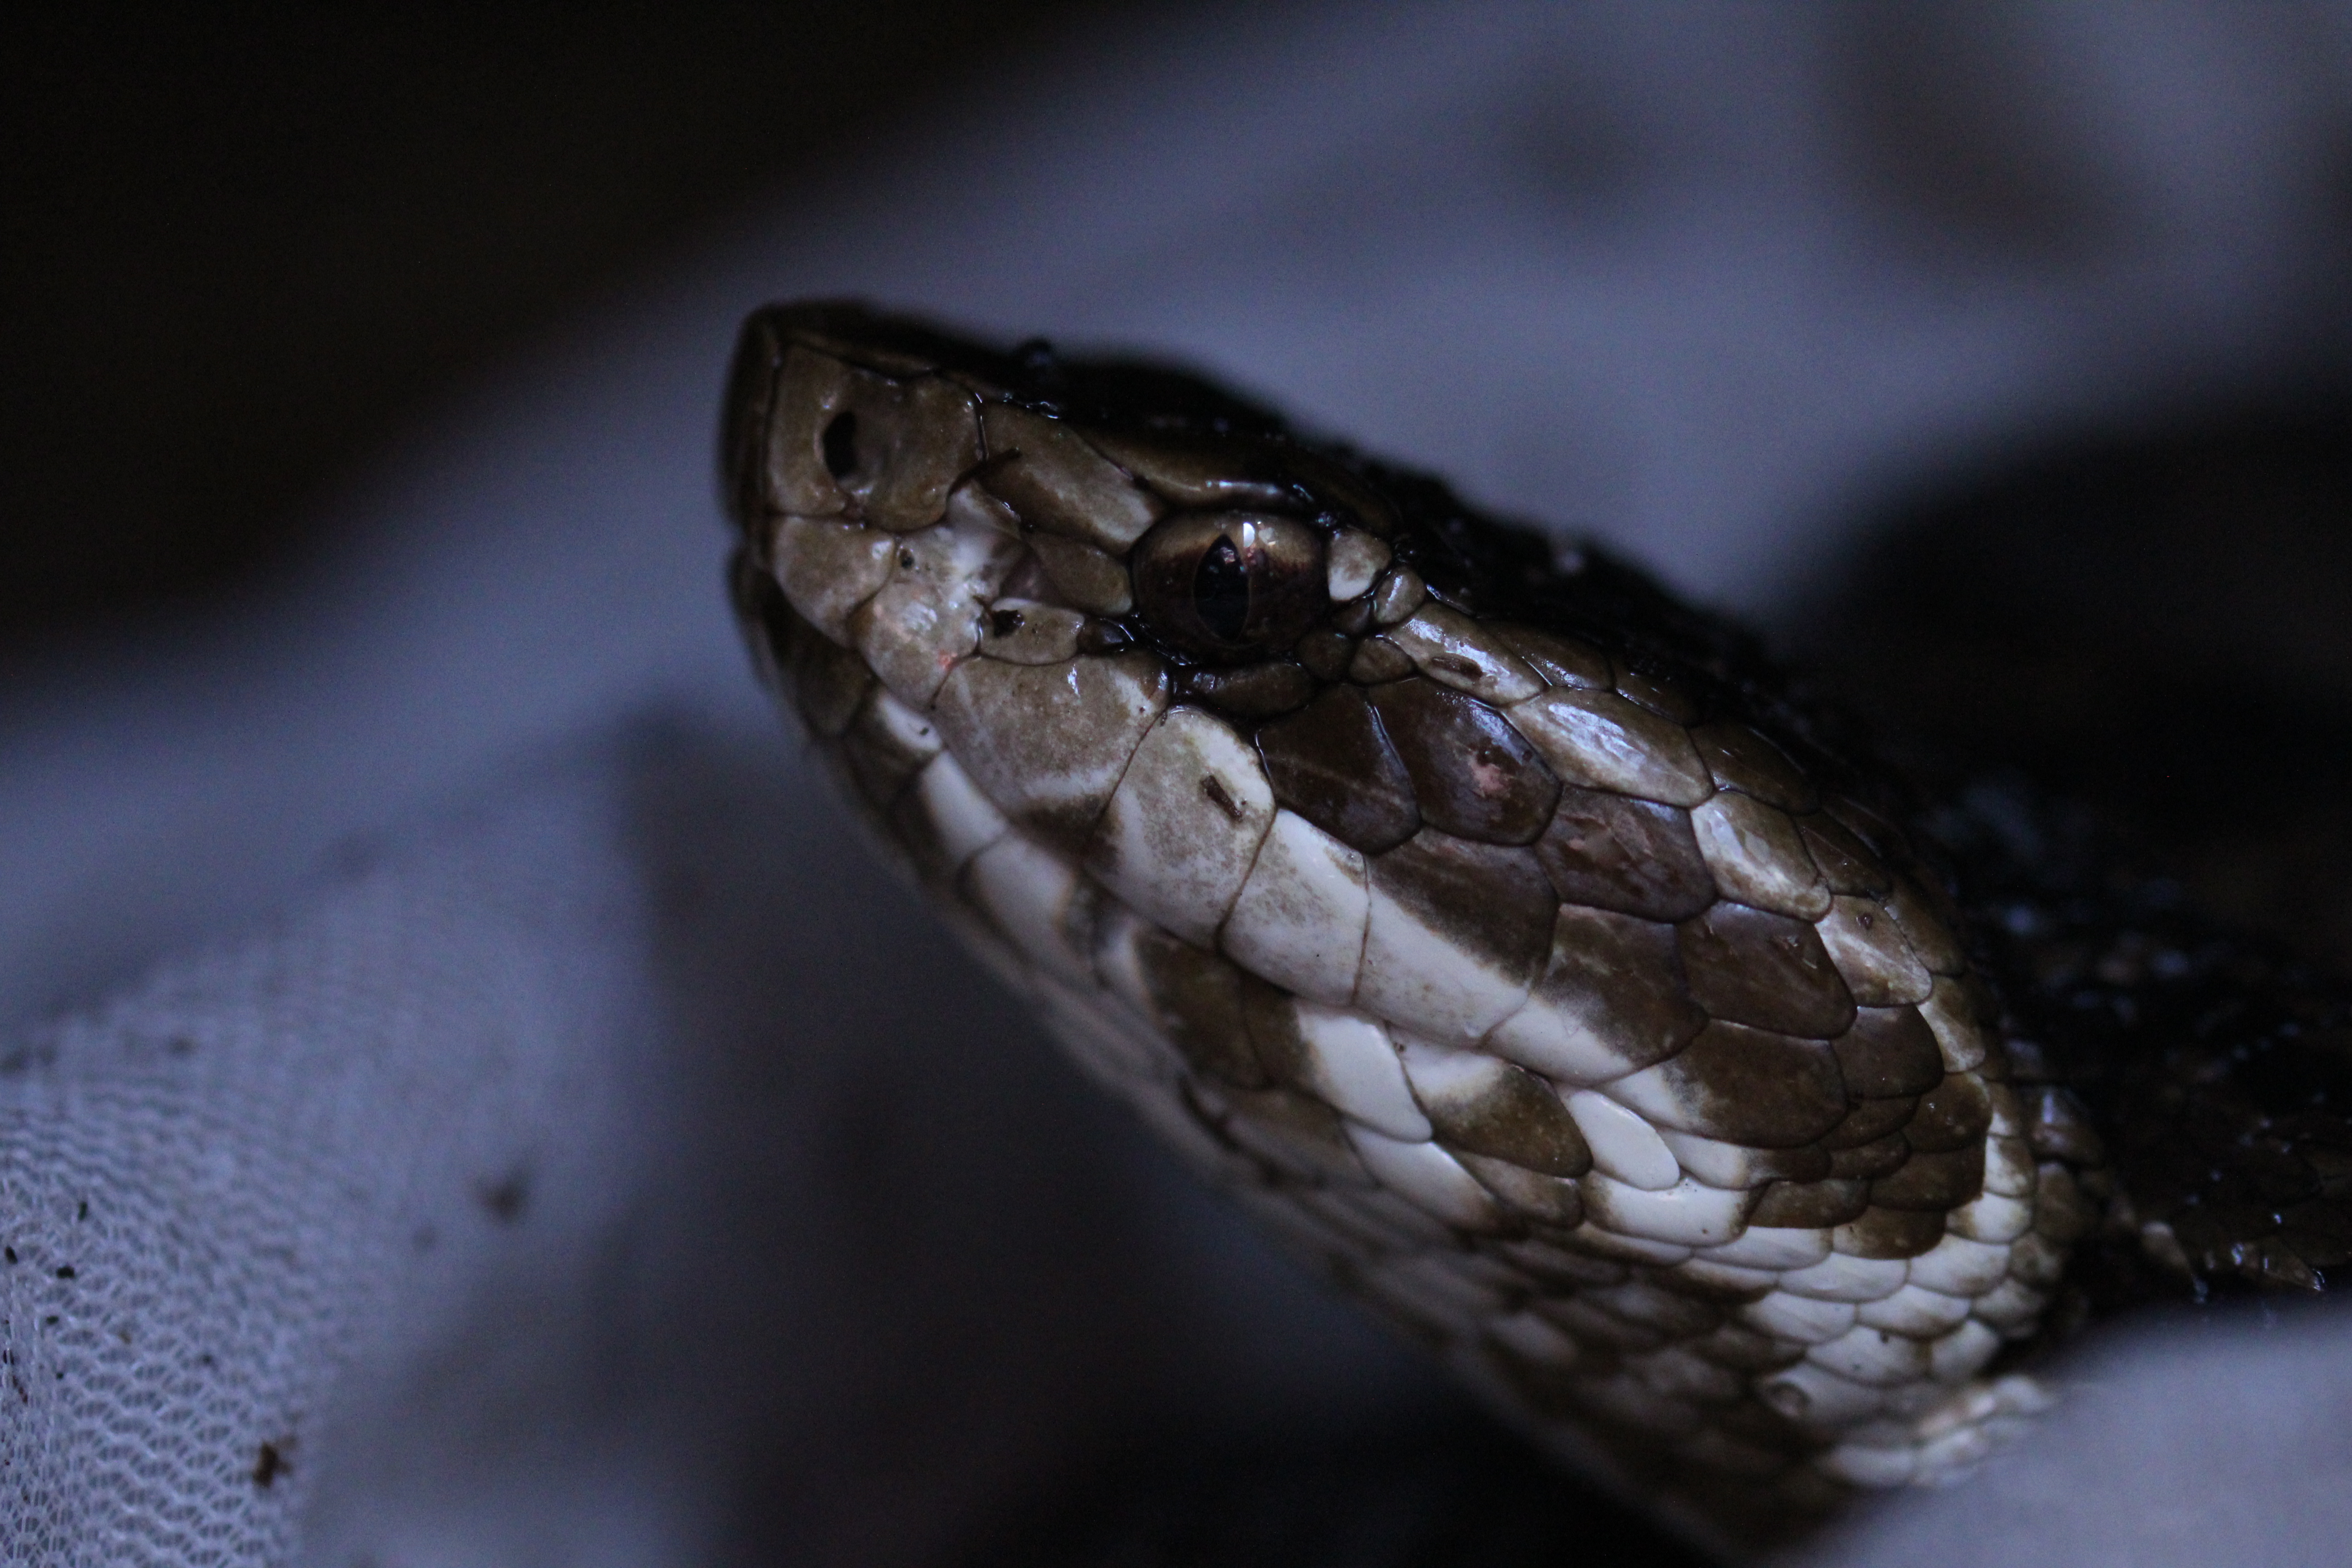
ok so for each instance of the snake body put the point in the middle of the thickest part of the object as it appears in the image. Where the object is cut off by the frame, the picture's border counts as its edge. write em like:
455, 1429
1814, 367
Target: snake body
1505, 933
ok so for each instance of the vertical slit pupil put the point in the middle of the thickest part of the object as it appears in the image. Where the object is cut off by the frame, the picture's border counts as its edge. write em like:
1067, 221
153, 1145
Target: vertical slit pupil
841, 446
1221, 591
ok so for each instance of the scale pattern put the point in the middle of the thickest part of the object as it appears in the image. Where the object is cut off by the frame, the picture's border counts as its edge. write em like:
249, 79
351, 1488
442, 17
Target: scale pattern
1538, 974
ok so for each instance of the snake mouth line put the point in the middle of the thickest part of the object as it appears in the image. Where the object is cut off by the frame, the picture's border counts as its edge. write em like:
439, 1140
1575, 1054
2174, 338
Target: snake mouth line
1486, 921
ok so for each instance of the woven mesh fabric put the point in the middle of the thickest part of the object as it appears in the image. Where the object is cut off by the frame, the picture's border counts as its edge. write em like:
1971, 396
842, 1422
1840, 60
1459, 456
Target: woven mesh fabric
214, 1189
616, 1168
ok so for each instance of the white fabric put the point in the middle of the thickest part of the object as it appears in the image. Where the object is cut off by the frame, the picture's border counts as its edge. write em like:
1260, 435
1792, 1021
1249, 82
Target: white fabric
531, 1118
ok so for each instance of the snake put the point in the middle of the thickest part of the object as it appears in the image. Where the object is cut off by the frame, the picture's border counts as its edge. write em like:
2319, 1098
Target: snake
1740, 1116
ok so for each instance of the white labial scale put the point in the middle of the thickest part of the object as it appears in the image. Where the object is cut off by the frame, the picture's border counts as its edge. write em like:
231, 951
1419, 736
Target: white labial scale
1879, 1357
1839, 1278
1426, 1177
1300, 920
1183, 827
1422, 980
1624, 1147
904, 727
1803, 1319
1688, 1213
1957, 1266
1962, 1353
965, 821
1916, 1310
1776, 1247
1871, 1466
1351, 1065
1026, 888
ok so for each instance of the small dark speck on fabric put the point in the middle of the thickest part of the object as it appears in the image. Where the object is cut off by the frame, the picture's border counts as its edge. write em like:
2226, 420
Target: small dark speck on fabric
268, 1465
507, 1197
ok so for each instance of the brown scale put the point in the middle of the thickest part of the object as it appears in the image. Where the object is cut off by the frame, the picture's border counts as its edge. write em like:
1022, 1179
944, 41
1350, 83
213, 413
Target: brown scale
1471, 774
1631, 857
1333, 764
1784, 1000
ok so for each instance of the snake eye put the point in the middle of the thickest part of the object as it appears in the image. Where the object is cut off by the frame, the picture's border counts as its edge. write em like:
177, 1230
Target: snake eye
1230, 584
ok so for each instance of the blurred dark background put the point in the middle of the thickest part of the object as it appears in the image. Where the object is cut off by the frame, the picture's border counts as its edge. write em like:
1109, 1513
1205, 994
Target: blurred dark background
244, 245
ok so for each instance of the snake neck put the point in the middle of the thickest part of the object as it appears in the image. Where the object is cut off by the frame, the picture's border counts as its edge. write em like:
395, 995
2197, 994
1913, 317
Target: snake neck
2211, 1061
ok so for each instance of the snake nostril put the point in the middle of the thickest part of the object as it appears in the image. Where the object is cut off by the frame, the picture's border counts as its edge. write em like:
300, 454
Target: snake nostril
840, 443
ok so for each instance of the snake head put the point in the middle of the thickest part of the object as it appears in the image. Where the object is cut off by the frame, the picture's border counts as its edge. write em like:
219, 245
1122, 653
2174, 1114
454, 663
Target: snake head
1474, 909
